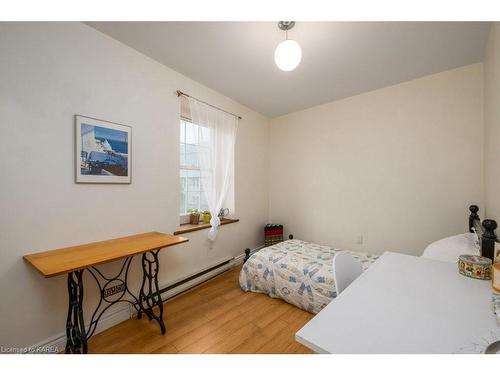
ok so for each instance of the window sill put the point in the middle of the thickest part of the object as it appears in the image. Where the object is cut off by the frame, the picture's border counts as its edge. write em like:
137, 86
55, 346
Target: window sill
186, 228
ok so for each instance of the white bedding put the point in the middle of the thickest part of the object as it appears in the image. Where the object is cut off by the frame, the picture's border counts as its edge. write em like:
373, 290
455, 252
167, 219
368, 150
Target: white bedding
298, 272
450, 248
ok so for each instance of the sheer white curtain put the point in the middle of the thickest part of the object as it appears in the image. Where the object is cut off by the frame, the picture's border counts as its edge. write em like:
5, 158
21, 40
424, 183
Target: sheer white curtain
217, 135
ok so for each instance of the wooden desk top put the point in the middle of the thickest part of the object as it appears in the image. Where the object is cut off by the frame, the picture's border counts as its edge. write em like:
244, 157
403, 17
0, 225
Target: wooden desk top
62, 261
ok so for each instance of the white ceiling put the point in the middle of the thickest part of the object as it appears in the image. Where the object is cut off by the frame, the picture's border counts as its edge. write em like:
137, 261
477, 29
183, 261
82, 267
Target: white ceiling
339, 59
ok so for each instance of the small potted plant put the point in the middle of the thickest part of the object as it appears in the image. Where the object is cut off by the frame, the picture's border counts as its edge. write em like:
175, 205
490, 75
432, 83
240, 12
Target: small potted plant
206, 217
194, 216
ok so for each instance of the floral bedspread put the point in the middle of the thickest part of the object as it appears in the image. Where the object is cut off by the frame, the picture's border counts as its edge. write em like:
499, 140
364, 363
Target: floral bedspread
299, 272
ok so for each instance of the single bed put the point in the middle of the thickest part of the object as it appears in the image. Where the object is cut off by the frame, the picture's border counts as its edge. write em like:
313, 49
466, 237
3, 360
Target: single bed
296, 271
301, 273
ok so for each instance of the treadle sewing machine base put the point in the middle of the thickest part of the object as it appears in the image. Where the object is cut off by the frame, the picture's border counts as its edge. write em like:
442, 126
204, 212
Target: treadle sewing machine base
74, 261
112, 291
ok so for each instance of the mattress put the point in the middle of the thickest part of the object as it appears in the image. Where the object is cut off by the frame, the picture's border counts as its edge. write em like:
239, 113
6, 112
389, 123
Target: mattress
299, 272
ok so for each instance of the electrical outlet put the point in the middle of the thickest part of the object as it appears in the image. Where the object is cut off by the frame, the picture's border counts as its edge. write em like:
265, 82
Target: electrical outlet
359, 240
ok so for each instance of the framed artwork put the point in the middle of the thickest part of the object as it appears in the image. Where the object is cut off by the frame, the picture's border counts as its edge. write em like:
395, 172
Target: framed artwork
103, 151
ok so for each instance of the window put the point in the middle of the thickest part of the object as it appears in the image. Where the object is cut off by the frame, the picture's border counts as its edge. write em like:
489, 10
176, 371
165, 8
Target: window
192, 196
191, 188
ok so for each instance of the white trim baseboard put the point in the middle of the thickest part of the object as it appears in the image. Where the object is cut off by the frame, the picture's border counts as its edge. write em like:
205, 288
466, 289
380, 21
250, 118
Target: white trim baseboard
239, 258
106, 321
209, 275
194, 282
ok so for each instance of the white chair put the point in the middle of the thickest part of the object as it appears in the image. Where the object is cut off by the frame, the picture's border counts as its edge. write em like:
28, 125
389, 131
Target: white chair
345, 270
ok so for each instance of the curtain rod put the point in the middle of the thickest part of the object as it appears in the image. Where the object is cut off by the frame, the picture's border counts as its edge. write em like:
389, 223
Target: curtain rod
180, 93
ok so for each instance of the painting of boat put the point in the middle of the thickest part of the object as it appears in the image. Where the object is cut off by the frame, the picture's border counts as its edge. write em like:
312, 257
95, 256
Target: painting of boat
103, 150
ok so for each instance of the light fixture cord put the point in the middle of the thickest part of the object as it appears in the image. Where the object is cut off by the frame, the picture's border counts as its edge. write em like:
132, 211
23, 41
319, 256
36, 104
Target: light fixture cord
286, 34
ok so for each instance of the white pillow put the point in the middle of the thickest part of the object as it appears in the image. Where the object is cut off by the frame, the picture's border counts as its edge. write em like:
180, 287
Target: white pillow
450, 248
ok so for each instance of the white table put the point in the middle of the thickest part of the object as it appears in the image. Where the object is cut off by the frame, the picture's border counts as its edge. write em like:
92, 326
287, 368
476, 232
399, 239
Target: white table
403, 304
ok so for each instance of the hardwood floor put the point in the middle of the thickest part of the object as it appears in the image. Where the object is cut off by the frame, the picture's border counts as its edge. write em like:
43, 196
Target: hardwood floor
216, 317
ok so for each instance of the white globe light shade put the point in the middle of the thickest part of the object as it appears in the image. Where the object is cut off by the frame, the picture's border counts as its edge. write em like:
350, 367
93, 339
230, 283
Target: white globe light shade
287, 55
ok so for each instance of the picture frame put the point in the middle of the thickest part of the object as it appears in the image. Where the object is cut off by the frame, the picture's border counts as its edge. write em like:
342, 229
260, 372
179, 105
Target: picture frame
103, 152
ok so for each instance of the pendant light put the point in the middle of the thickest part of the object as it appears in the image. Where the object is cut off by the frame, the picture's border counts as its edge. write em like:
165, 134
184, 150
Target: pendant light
288, 53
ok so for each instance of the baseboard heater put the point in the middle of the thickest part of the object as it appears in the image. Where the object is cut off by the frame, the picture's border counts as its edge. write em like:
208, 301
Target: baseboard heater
196, 279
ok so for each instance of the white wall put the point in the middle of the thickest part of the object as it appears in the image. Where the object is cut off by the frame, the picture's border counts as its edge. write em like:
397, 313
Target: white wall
492, 124
399, 165
48, 73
